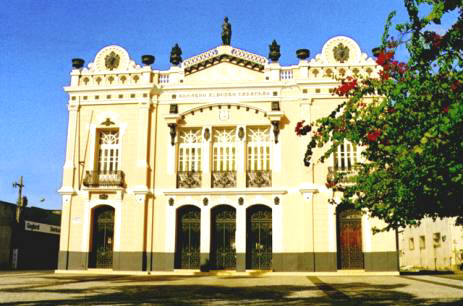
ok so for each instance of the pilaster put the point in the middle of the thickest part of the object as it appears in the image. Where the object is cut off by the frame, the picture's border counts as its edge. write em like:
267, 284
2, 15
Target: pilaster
241, 156
205, 160
70, 163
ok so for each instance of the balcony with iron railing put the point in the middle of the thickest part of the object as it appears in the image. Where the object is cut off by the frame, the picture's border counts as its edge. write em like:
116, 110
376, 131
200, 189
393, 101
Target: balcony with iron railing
189, 179
259, 178
223, 179
347, 174
105, 179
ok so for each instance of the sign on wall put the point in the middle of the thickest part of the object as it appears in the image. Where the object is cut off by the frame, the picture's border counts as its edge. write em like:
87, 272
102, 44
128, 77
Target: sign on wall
42, 227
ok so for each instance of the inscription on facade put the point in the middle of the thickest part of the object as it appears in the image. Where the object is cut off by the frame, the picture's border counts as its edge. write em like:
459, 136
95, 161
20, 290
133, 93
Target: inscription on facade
257, 93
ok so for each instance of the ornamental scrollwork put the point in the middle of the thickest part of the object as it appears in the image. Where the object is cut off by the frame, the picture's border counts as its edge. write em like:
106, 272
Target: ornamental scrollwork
223, 179
188, 179
259, 178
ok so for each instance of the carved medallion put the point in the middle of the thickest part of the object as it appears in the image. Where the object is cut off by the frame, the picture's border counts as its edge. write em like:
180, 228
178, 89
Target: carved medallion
341, 53
224, 115
112, 60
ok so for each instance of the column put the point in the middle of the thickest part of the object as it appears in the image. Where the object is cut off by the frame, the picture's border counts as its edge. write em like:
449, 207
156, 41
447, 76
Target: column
205, 243
240, 238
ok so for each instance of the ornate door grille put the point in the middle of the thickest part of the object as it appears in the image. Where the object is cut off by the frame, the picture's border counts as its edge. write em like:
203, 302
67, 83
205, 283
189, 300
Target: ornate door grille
103, 238
223, 252
350, 240
188, 238
259, 248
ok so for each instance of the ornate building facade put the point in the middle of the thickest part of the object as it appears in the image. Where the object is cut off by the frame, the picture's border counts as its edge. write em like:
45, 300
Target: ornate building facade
199, 168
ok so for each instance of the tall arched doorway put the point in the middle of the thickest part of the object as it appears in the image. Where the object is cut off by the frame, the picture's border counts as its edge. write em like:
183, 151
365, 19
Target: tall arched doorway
223, 228
259, 237
101, 248
188, 237
349, 228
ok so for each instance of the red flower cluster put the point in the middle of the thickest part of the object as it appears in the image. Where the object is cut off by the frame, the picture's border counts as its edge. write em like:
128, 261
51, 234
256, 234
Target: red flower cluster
435, 40
330, 184
390, 67
302, 129
445, 109
373, 136
346, 86
456, 86
384, 57
384, 75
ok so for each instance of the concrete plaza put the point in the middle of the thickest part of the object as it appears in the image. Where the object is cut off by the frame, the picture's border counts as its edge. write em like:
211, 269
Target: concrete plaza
46, 287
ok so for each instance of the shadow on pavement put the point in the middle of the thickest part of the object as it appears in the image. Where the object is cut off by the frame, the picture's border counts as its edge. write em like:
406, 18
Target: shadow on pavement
165, 294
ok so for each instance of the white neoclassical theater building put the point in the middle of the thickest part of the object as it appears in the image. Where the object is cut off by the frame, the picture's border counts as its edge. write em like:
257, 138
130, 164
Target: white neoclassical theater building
198, 167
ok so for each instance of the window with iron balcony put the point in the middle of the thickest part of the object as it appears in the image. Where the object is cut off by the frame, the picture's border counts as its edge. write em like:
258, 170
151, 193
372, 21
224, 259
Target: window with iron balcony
224, 158
345, 158
106, 171
189, 159
258, 145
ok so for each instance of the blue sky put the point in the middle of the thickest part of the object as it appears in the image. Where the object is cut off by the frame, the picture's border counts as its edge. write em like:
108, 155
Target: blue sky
38, 38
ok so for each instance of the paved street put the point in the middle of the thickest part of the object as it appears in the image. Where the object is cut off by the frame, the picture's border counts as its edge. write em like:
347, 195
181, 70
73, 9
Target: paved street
38, 288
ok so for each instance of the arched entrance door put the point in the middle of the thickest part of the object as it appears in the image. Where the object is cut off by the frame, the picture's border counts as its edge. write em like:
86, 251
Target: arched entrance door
188, 237
350, 255
259, 238
101, 254
223, 228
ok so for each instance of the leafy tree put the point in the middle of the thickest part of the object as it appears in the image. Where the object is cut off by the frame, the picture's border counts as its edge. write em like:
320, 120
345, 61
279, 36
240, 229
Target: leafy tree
408, 120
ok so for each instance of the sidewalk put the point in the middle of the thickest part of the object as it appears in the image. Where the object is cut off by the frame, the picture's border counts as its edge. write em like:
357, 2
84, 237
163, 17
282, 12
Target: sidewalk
37, 288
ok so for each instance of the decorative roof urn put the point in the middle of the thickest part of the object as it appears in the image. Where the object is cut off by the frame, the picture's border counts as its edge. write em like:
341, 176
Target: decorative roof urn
77, 63
147, 59
176, 55
376, 51
274, 53
302, 54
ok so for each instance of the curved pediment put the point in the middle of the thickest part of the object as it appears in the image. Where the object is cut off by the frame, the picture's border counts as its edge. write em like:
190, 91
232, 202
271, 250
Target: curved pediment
341, 50
224, 54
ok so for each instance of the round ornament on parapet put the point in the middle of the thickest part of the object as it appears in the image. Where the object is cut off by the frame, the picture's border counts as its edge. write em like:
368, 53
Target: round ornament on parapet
341, 50
112, 58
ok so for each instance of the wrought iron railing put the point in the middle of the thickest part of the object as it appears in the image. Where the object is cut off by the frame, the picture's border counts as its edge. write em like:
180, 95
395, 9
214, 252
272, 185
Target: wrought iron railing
347, 175
259, 178
223, 179
104, 179
188, 179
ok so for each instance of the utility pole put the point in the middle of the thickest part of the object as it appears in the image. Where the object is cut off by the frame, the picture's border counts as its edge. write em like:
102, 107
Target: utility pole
17, 235
22, 201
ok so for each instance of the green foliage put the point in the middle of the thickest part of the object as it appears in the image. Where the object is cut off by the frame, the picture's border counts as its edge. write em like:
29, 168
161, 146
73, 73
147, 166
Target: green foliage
409, 121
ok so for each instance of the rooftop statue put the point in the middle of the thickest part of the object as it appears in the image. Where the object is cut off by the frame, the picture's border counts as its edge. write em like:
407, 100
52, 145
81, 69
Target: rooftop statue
226, 32
176, 55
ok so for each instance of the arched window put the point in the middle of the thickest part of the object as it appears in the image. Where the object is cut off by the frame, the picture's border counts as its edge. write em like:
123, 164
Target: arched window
108, 151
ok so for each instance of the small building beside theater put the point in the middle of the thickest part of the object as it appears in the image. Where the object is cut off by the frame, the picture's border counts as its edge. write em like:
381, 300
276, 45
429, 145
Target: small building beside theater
31, 243
198, 167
